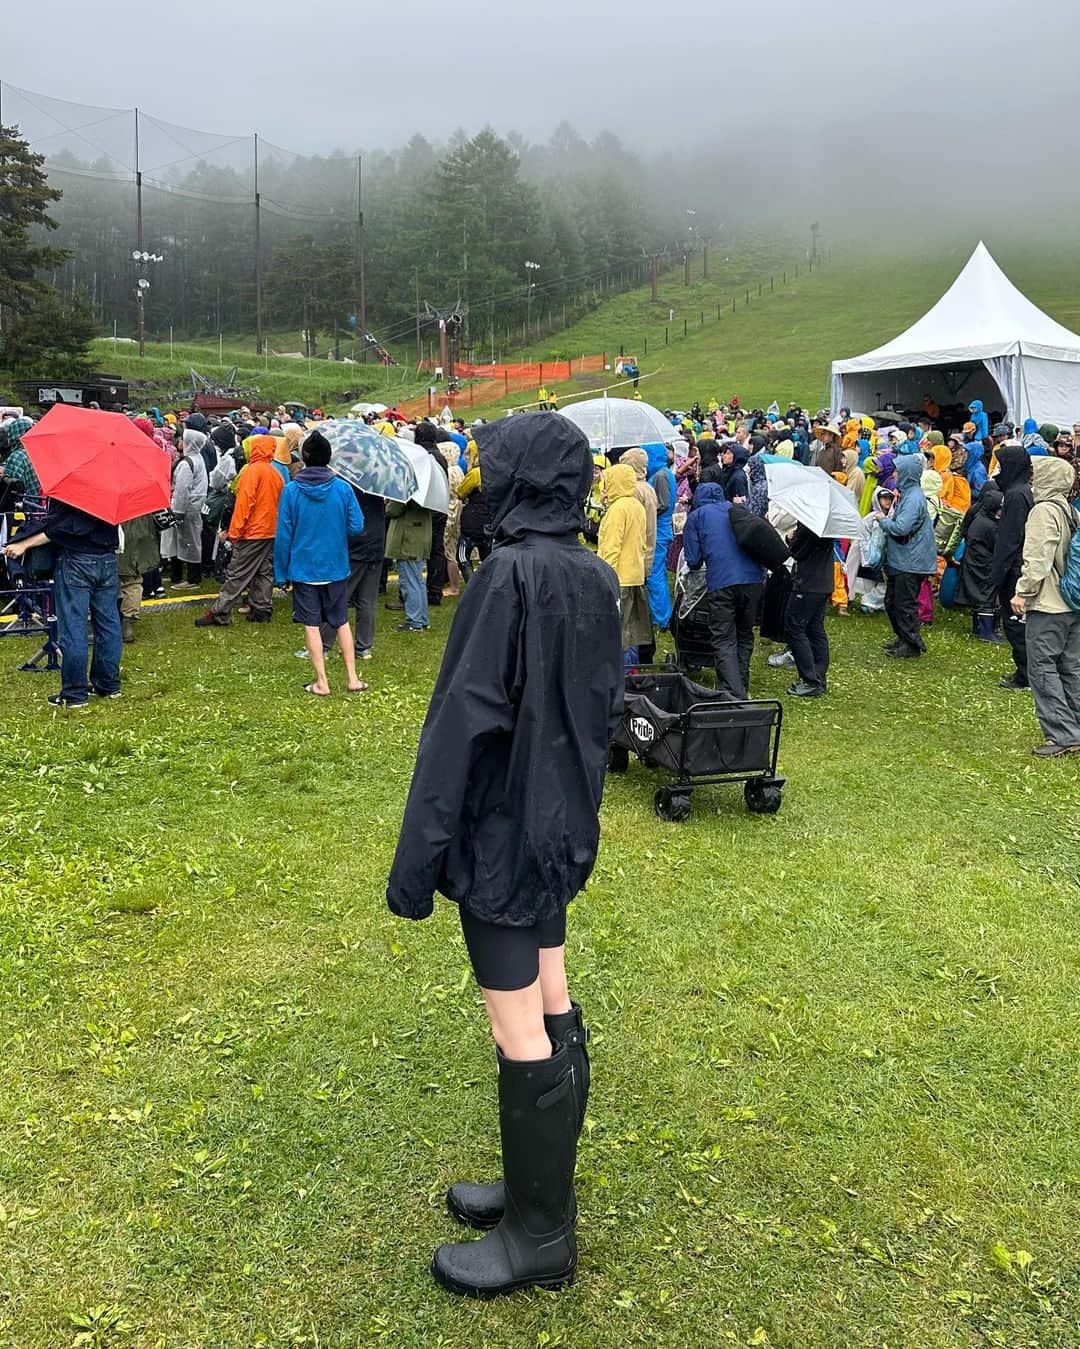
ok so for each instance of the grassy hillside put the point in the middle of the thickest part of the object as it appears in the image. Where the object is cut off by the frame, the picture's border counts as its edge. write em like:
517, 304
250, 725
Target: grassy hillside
780, 345
318, 382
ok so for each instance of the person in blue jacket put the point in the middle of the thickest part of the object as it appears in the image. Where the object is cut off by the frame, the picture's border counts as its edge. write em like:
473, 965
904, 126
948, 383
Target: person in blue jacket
662, 481
317, 515
981, 420
734, 582
910, 557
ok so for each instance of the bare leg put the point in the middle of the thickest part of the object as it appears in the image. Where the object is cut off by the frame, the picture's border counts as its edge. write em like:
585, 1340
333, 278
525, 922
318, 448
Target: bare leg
313, 642
348, 655
553, 986
517, 1022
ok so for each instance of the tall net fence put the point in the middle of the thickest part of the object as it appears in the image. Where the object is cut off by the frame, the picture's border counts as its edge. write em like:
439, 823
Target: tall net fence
206, 208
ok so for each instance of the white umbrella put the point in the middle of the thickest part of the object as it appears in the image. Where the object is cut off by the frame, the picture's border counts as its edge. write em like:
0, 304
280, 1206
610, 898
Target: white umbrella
362, 409
814, 498
618, 423
433, 490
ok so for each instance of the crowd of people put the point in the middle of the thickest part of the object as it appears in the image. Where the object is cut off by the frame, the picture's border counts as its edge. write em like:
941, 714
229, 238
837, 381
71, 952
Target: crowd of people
981, 517
948, 516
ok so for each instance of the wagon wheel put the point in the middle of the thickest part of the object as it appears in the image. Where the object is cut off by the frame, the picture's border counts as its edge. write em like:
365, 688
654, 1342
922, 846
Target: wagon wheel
762, 798
672, 803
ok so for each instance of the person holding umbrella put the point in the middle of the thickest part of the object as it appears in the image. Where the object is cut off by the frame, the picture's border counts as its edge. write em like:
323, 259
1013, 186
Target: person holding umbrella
97, 470
87, 588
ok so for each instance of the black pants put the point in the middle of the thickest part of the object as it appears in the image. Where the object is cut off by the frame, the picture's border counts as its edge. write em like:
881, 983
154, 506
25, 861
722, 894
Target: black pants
465, 547
733, 612
902, 606
437, 574
804, 627
508, 958
1015, 632
194, 571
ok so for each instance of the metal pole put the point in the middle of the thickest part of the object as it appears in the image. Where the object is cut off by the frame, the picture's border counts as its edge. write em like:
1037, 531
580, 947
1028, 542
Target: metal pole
654, 278
138, 231
705, 261
416, 281
258, 258
360, 250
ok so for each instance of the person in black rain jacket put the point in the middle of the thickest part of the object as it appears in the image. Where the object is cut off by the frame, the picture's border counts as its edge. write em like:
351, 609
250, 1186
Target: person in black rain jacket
1014, 483
502, 818
979, 532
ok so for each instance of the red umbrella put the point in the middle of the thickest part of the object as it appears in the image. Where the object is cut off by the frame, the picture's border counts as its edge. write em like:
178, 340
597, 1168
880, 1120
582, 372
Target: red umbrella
98, 462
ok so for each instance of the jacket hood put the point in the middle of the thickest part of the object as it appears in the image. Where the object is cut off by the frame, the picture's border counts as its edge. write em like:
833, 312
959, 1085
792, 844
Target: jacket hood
620, 481
636, 459
909, 470
1051, 479
709, 494
1031, 427
657, 455
975, 405
193, 441
739, 453
261, 449
313, 482
931, 482
537, 474
942, 459
224, 436
197, 422
990, 500
935, 438
1014, 465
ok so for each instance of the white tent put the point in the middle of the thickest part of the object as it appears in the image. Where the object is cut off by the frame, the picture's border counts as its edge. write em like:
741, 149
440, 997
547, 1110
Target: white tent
983, 339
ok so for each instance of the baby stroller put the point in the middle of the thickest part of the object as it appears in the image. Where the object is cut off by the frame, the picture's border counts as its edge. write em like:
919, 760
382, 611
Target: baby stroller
689, 624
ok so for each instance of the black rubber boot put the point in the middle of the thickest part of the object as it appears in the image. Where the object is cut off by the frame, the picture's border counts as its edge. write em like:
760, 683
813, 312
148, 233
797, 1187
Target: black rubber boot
481, 1206
533, 1246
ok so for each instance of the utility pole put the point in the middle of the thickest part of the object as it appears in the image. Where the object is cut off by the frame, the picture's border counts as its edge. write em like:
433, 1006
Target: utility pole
258, 258
138, 229
653, 277
419, 350
686, 267
813, 241
705, 260
362, 316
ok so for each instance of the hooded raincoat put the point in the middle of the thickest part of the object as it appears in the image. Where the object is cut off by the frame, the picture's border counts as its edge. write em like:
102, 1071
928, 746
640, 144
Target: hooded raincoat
909, 534
503, 812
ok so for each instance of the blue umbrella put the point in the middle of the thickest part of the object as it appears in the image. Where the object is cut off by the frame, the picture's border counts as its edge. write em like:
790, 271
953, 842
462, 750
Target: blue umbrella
372, 462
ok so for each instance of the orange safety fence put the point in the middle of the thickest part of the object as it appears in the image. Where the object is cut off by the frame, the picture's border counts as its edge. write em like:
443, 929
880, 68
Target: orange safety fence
490, 382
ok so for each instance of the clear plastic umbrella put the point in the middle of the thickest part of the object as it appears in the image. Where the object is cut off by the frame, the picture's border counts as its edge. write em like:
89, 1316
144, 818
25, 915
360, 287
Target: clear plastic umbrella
432, 489
814, 498
618, 423
370, 461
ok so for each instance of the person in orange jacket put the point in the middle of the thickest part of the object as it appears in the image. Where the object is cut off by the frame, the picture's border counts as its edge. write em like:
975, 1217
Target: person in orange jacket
251, 533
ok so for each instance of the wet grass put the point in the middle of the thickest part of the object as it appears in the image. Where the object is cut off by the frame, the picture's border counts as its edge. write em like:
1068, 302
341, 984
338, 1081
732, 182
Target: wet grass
835, 1075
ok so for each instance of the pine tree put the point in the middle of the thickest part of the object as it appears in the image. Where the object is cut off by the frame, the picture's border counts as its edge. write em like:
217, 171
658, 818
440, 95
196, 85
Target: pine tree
25, 198
41, 333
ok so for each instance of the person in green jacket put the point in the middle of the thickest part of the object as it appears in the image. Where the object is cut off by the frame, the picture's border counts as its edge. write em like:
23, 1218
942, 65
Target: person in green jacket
408, 542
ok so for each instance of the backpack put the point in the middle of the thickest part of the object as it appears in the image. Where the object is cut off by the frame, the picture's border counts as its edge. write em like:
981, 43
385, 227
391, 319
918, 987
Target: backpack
1069, 579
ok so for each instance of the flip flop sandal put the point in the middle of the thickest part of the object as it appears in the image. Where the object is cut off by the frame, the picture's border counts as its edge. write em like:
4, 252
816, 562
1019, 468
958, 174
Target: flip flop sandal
362, 689
310, 688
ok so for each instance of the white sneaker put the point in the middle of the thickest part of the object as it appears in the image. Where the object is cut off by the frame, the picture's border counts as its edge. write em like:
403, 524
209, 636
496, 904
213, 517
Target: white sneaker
782, 660
301, 654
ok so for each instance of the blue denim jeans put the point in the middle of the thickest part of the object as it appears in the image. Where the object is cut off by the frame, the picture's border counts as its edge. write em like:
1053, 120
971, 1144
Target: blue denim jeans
87, 588
413, 592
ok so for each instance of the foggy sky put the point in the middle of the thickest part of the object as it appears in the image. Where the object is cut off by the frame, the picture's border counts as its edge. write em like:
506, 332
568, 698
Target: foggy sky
839, 94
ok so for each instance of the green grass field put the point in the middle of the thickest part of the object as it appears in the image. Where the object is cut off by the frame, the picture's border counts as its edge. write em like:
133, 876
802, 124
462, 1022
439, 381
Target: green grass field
836, 1097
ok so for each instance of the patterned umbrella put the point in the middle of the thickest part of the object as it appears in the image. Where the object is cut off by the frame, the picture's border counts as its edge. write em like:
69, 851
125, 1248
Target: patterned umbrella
372, 462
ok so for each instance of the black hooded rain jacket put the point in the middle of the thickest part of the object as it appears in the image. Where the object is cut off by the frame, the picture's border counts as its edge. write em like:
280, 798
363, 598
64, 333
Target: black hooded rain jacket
503, 812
